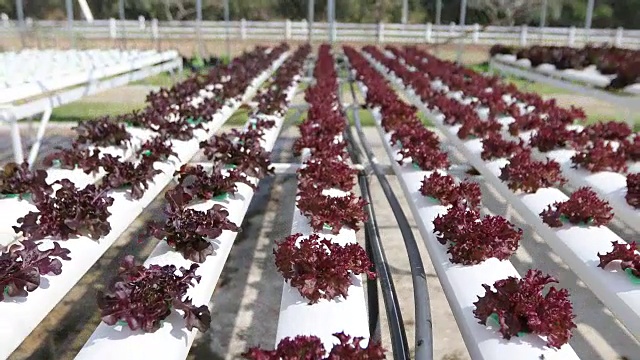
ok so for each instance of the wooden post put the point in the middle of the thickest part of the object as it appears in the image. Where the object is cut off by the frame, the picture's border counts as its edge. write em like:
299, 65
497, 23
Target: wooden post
287, 29
380, 32
142, 24
428, 33
619, 36
476, 33
572, 36
243, 29
155, 33
113, 29
523, 35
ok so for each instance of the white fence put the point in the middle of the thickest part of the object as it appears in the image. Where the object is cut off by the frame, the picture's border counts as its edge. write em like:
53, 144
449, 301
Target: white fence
343, 32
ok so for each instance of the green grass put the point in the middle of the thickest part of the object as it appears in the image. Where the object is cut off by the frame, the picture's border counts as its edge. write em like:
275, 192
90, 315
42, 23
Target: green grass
522, 84
79, 111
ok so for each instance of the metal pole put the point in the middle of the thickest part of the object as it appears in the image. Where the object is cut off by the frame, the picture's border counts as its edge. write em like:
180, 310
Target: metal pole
226, 28
199, 27
331, 14
589, 17
69, 5
463, 15
310, 16
122, 24
21, 27
405, 11
543, 18
438, 21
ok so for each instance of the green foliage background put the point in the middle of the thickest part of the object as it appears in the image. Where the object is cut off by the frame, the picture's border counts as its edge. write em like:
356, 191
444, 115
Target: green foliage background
607, 14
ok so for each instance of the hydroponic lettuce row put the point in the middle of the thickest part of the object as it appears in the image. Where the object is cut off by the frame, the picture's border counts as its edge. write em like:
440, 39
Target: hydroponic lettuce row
69, 213
473, 240
518, 305
628, 256
19, 180
528, 175
144, 296
273, 101
72, 212
22, 265
319, 268
321, 135
303, 347
609, 60
444, 189
189, 231
205, 185
582, 207
521, 306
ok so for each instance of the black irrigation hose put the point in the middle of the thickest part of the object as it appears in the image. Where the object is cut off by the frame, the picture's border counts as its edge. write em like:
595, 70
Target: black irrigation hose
424, 331
376, 251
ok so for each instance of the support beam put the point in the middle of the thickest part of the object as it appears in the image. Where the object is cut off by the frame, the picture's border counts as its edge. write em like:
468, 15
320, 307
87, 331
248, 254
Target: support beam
588, 18
20, 16
226, 28
123, 31
405, 11
310, 18
86, 11
543, 18
331, 15
463, 16
69, 8
199, 28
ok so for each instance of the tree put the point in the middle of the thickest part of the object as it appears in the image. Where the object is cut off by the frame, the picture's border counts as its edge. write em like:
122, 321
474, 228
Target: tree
507, 12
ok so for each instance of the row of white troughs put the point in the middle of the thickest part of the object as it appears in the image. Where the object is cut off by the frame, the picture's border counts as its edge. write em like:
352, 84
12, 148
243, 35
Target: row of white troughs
32, 73
19, 316
577, 245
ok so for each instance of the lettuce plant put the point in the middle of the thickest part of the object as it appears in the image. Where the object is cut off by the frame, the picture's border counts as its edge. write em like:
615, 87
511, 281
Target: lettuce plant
333, 211
494, 146
304, 347
144, 296
71, 212
600, 156
22, 265
628, 256
18, 179
319, 268
633, 190
582, 207
189, 231
473, 240
121, 174
77, 156
525, 174
205, 185
102, 132
521, 306
444, 189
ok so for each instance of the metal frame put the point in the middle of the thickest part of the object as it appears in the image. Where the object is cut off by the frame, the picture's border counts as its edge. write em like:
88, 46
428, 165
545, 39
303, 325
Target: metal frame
45, 105
629, 102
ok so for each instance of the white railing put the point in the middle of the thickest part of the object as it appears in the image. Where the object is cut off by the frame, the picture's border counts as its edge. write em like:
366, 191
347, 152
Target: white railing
299, 31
